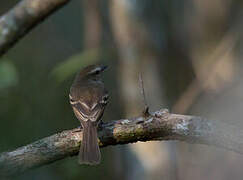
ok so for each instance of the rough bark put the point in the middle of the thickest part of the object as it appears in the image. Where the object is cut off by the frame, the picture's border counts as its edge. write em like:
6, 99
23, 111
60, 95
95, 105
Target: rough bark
161, 125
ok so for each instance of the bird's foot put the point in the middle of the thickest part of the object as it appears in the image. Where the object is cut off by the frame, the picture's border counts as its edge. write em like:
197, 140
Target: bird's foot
78, 129
100, 125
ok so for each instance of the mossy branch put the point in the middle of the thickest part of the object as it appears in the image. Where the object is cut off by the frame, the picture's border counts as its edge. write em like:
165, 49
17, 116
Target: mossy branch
22, 18
160, 125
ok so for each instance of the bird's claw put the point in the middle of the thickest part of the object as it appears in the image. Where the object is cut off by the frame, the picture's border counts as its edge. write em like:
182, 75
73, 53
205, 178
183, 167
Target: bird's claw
78, 129
100, 125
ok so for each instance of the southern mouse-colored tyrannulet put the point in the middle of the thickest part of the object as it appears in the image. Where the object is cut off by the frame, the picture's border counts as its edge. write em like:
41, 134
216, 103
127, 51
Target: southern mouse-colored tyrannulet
88, 99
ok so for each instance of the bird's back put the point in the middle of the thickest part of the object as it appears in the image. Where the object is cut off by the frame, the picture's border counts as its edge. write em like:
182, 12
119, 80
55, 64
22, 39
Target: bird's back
89, 96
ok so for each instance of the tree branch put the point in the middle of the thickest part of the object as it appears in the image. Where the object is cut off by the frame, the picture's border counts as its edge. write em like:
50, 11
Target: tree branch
22, 18
161, 125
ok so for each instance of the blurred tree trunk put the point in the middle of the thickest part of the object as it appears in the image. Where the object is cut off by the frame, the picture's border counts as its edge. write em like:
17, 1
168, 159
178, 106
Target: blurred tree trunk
92, 24
137, 55
210, 51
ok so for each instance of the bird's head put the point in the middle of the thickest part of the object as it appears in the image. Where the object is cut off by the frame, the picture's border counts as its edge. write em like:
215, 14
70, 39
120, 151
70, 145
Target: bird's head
92, 71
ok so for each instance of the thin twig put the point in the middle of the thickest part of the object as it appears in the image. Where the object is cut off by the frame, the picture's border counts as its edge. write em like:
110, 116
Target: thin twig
146, 107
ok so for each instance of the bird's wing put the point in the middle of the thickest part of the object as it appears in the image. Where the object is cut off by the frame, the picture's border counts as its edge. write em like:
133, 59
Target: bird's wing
84, 110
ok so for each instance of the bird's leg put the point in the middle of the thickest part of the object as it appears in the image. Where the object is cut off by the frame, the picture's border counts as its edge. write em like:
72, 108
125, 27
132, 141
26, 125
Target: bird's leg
100, 124
78, 129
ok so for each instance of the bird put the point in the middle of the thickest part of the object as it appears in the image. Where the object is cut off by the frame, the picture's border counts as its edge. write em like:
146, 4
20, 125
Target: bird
88, 98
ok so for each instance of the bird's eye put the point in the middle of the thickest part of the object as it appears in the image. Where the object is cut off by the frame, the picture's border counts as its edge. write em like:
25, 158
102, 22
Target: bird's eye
97, 72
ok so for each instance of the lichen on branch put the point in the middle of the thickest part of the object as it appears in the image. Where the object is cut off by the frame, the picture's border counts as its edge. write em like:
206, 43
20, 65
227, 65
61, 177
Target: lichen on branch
160, 125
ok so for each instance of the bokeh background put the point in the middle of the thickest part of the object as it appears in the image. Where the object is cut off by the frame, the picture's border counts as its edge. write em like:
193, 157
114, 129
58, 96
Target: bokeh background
188, 51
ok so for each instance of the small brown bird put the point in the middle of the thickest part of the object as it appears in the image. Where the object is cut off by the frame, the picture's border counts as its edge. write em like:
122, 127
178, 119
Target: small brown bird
88, 98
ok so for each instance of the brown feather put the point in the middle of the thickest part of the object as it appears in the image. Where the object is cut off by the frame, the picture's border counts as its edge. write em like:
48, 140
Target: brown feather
88, 99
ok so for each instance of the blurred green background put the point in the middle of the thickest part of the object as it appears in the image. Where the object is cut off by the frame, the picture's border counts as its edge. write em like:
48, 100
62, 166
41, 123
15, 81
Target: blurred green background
189, 53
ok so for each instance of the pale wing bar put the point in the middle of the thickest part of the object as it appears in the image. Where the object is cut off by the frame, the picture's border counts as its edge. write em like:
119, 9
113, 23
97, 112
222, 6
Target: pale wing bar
84, 112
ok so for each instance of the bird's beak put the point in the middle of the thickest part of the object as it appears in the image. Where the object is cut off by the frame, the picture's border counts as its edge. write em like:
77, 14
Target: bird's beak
103, 68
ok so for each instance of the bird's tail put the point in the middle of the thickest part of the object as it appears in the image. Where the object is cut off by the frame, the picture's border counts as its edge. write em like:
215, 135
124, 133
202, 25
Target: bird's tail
89, 150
